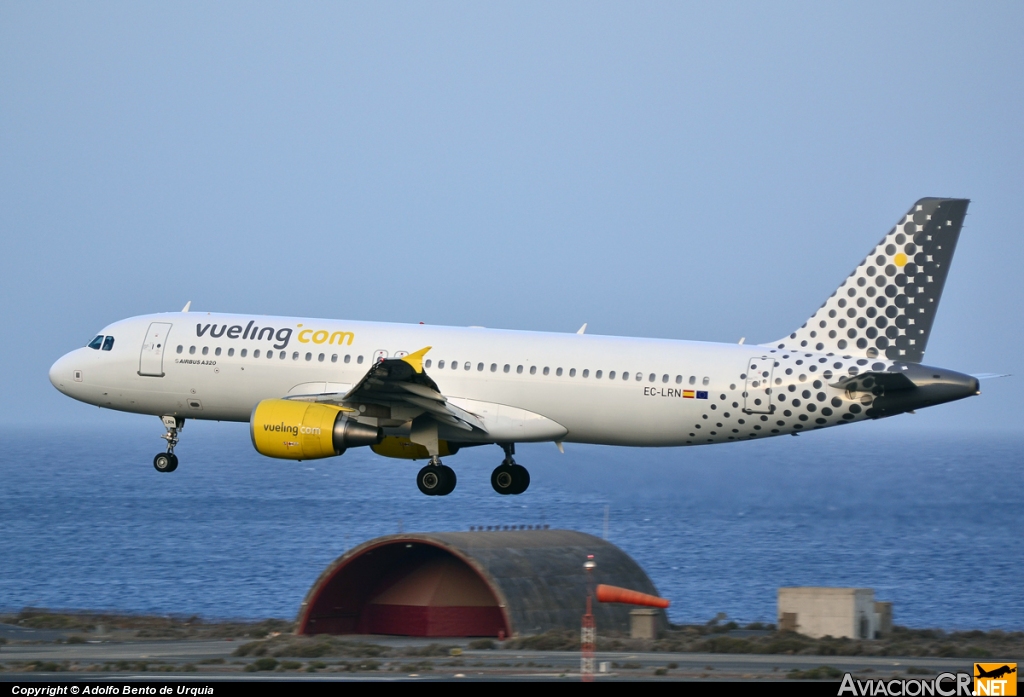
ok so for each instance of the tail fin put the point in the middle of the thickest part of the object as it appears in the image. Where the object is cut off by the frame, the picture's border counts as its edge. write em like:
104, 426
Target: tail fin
887, 305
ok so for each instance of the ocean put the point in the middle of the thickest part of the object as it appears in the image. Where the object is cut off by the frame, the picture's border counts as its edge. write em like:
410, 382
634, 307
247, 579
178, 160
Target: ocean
930, 521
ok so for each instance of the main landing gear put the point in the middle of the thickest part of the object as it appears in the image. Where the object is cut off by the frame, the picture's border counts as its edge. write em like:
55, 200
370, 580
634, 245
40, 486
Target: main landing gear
436, 479
168, 462
508, 477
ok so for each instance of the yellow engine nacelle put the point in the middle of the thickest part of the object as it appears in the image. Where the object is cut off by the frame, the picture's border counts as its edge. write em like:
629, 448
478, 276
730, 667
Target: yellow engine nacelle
405, 449
306, 430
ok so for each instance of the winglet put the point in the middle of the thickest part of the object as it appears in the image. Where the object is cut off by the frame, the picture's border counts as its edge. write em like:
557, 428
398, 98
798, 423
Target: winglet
416, 359
187, 305
582, 329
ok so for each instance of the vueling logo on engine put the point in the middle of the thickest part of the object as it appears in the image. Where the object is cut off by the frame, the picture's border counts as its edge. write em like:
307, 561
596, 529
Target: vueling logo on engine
292, 430
253, 333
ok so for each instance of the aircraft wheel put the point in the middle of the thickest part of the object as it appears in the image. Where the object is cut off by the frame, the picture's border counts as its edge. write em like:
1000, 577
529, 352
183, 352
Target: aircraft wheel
165, 462
503, 479
521, 475
450, 480
432, 480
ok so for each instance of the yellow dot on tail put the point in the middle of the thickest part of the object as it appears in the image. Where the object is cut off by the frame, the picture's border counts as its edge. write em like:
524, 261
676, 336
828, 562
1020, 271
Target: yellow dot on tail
900, 259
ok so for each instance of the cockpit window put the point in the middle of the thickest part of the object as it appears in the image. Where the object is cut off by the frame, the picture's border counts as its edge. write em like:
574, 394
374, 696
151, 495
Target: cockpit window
96, 343
108, 343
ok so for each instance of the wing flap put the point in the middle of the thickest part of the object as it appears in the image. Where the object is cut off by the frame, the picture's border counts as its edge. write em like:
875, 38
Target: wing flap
403, 381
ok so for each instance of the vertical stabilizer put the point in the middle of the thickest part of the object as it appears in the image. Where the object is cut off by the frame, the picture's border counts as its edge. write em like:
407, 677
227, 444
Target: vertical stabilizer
887, 305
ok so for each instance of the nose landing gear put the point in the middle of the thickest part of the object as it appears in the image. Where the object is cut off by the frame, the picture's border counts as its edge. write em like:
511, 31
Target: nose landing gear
436, 479
168, 462
508, 477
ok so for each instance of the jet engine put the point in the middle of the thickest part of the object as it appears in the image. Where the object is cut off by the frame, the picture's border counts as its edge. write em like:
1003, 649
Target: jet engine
295, 430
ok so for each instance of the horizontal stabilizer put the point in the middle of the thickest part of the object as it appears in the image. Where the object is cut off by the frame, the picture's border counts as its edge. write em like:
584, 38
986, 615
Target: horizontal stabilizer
874, 381
989, 376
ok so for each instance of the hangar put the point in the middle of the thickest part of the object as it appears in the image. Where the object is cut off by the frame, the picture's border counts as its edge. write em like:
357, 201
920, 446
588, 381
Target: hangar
481, 583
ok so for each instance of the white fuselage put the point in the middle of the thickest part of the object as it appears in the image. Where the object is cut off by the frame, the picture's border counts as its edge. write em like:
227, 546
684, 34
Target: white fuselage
526, 386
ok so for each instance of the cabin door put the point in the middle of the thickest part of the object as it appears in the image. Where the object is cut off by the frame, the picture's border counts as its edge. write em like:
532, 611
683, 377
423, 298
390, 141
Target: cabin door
151, 361
757, 391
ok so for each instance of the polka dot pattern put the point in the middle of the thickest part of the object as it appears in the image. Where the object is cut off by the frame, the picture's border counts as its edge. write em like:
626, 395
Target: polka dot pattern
802, 396
886, 307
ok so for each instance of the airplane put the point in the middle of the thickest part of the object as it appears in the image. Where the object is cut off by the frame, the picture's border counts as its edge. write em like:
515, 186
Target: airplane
312, 388
995, 672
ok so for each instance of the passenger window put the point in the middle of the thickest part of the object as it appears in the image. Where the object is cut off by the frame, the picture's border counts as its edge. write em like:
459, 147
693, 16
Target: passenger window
256, 353
191, 350
295, 355
558, 372
244, 351
639, 377
96, 343
586, 372
597, 375
611, 375
180, 348
625, 375
507, 367
359, 360
664, 378
468, 366
426, 363
440, 364
547, 370
348, 358
519, 369
679, 379
480, 366
651, 377
572, 372
533, 370
494, 367
231, 352
216, 351
334, 358
455, 365
108, 343
284, 354
693, 379
206, 350
309, 356
705, 381
320, 358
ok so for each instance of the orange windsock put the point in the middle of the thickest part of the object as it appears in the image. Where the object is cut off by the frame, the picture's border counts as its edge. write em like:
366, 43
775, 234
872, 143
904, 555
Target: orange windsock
614, 594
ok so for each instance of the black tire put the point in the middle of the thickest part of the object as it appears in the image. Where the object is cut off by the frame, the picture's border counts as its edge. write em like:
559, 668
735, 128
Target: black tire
165, 462
503, 479
450, 480
521, 475
431, 480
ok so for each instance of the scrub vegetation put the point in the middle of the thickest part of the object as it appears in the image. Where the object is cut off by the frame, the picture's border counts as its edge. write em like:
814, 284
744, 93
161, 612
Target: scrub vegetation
81, 626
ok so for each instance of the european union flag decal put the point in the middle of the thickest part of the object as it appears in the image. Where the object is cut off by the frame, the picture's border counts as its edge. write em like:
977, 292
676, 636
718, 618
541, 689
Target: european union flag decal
702, 395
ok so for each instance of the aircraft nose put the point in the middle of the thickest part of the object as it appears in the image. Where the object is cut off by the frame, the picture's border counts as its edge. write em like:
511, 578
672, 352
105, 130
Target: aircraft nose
61, 373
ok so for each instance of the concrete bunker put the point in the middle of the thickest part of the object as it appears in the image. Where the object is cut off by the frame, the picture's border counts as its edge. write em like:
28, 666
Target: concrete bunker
489, 584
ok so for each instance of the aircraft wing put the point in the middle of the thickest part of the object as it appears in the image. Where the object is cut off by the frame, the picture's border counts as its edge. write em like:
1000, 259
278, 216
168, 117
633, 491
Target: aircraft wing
402, 381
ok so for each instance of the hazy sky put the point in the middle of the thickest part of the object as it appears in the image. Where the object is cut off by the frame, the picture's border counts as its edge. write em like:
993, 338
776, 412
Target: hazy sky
697, 171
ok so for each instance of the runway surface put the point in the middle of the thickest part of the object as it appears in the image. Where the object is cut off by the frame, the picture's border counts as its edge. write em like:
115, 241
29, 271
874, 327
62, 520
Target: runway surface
213, 660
